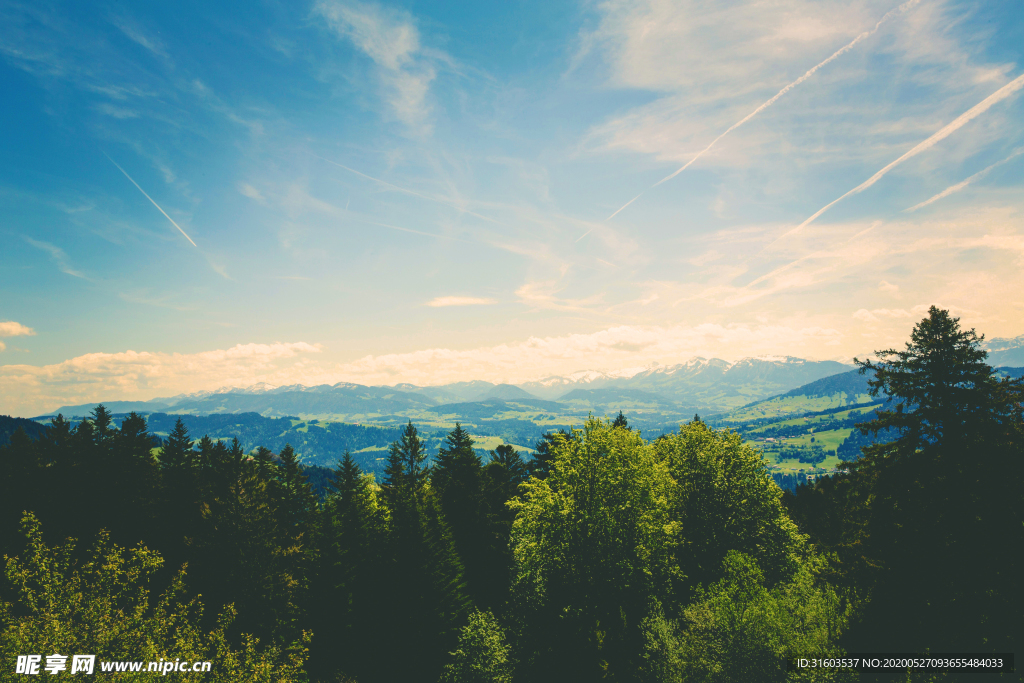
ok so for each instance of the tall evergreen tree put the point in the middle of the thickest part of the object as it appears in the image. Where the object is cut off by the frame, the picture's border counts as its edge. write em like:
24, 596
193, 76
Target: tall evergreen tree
544, 454
406, 470
941, 506
458, 482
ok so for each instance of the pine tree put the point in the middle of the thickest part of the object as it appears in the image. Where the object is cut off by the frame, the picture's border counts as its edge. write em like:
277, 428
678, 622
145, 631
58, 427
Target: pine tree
544, 455
298, 501
176, 455
458, 483
406, 472
620, 421
939, 508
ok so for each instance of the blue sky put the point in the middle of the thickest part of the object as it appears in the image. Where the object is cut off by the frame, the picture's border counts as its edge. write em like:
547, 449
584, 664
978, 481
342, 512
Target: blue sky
197, 195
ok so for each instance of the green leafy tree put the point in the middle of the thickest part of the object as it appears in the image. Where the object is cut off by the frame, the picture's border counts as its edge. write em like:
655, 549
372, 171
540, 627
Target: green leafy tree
724, 499
592, 546
102, 606
739, 629
483, 654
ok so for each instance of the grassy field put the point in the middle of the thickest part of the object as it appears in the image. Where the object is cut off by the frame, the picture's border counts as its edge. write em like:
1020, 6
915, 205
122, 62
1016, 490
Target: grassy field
788, 405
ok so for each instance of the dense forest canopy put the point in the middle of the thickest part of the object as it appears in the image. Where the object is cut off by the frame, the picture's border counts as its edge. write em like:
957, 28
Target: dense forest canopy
603, 556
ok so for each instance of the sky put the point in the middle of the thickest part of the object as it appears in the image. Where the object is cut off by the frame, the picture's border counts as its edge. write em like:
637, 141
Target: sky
196, 195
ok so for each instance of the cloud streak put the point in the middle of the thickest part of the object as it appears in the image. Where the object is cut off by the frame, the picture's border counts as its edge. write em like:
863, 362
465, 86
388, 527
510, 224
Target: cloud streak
443, 301
1003, 93
409, 192
58, 255
151, 201
964, 183
835, 55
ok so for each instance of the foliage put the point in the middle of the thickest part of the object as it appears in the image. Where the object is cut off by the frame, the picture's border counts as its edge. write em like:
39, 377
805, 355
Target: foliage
724, 499
483, 655
102, 606
738, 629
591, 544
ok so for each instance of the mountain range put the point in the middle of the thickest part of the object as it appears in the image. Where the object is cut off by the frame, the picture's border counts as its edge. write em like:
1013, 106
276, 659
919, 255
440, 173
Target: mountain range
710, 385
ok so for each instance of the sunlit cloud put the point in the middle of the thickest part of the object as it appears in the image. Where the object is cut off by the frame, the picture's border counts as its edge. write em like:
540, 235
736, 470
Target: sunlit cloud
11, 328
442, 301
131, 375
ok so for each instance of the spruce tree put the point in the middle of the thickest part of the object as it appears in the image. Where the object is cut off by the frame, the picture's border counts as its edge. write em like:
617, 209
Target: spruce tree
406, 472
458, 482
938, 509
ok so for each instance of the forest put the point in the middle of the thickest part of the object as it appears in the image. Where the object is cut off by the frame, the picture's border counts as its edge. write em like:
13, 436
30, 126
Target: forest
602, 557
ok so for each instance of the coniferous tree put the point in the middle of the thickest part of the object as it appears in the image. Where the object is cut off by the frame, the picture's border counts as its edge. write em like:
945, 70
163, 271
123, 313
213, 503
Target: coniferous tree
425, 597
936, 529
457, 481
544, 455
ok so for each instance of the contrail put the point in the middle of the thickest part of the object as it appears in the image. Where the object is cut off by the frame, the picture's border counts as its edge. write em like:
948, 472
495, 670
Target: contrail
978, 109
961, 185
402, 189
846, 48
151, 201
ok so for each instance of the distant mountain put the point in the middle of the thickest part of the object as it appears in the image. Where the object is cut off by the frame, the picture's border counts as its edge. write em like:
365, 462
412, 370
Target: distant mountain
615, 399
1003, 351
707, 383
451, 393
85, 409
828, 393
852, 383
9, 425
508, 392
353, 400
1012, 373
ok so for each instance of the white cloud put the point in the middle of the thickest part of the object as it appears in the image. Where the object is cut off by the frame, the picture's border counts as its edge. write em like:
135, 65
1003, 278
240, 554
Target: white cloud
459, 301
15, 329
610, 349
392, 41
889, 288
132, 375
58, 256
249, 191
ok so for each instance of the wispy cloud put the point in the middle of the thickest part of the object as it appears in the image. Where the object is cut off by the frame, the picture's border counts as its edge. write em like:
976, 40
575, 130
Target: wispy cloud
846, 48
151, 200
58, 256
964, 183
439, 200
443, 301
390, 38
1003, 93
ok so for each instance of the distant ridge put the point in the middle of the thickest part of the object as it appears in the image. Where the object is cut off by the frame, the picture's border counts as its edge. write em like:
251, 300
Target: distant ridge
9, 425
508, 392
